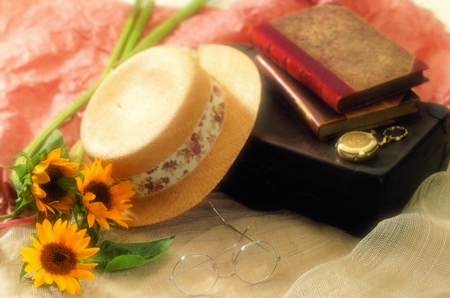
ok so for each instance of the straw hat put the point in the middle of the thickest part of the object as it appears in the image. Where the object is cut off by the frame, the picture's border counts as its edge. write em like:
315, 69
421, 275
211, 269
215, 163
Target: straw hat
172, 121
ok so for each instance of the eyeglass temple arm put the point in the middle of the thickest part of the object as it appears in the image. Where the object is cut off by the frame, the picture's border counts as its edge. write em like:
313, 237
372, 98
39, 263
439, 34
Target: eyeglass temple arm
236, 230
233, 228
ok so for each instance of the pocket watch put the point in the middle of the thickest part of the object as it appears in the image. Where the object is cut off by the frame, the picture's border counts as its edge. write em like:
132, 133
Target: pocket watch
360, 146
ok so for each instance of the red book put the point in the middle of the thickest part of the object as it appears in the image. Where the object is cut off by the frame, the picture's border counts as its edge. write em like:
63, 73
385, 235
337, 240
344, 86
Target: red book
326, 122
338, 55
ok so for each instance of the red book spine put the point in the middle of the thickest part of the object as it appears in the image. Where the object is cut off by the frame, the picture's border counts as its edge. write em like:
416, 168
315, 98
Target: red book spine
299, 64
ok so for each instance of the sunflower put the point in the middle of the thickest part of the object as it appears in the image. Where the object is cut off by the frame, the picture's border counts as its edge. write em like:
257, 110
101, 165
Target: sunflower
45, 189
102, 197
55, 255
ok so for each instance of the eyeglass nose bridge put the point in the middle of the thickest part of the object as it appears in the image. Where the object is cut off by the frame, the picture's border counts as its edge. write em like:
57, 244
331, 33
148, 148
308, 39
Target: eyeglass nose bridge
221, 265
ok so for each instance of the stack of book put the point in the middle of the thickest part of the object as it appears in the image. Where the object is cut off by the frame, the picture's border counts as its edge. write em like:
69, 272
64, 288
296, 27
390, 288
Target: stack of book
338, 71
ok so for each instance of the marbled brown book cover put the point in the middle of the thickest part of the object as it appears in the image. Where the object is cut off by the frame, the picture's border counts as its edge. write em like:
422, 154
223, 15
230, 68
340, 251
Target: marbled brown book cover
338, 55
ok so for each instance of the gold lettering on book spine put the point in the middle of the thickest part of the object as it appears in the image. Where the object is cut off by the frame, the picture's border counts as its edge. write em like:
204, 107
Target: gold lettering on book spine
347, 45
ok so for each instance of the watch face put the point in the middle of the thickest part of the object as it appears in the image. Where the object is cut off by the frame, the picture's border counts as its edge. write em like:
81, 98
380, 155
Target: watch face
356, 140
356, 146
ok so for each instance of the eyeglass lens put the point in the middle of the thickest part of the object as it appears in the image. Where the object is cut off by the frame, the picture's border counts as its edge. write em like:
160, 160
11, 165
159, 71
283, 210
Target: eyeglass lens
196, 274
256, 262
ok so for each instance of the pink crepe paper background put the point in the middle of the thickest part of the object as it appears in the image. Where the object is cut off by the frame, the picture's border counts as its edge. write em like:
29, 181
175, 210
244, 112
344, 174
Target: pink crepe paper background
54, 50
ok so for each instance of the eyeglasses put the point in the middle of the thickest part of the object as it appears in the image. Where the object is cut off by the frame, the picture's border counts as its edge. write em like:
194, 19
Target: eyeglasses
195, 274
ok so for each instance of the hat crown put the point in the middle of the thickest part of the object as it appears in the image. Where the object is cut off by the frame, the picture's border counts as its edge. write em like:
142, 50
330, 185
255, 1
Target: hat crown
145, 109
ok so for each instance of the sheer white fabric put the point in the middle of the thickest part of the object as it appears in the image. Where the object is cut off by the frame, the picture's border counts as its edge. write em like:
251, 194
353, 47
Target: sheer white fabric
405, 256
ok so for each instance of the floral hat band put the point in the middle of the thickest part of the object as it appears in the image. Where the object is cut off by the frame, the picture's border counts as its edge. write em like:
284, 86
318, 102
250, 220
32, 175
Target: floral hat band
186, 158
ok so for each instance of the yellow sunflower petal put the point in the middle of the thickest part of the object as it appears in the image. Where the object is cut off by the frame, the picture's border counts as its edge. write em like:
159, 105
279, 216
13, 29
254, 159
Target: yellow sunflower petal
102, 222
40, 232
32, 267
91, 219
57, 230
80, 184
37, 191
122, 192
82, 274
93, 173
71, 284
48, 277
99, 212
86, 253
66, 237
45, 232
81, 244
97, 208
68, 169
40, 178
62, 207
87, 173
30, 255
61, 281
41, 206
54, 154
39, 278
87, 197
36, 244
107, 173
75, 239
29, 251
77, 287
119, 219
41, 167
98, 172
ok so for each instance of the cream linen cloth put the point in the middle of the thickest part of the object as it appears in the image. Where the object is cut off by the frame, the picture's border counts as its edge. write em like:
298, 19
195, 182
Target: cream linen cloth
405, 256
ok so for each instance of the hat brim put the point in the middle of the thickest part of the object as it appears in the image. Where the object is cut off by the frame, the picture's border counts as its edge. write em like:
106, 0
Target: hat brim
239, 77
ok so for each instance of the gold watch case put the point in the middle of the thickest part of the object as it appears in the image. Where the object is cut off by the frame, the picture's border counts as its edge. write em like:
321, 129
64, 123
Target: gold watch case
357, 146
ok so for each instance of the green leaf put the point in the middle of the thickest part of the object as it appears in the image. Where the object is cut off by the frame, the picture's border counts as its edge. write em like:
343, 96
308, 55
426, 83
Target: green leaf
20, 169
15, 181
76, 211
34, 160
54, 140
25, 198
78, 153
93, 232
22, 271
117, 256
68, 184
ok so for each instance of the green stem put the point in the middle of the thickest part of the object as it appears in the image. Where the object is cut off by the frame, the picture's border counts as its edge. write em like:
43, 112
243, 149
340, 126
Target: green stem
138, 28
166, 27
6, 216
123, 38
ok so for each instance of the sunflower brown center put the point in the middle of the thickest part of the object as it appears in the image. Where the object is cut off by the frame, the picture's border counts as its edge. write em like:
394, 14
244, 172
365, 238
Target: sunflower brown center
51, 188
101, 192
58, 258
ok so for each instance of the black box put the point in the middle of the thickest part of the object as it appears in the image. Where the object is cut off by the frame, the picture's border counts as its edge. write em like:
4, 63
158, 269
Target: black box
284, 166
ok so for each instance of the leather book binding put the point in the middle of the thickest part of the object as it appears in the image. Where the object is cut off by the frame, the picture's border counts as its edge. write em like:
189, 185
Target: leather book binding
322, 119
338, 55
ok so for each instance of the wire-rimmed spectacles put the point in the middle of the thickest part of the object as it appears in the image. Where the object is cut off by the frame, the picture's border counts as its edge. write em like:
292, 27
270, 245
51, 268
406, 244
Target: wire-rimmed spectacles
197, 273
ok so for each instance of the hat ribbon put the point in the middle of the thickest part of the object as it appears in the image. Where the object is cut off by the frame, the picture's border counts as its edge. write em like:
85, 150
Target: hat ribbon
190, 153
